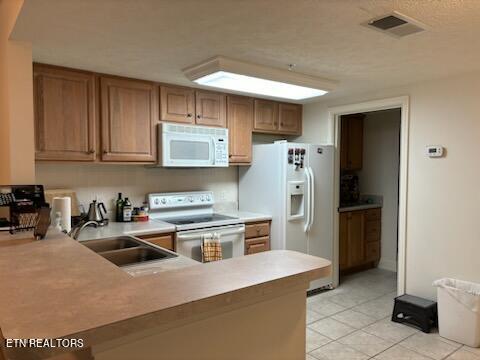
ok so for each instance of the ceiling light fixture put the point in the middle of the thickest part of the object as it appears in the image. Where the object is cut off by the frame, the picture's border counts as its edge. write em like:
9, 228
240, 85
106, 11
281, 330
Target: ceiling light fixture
224, 73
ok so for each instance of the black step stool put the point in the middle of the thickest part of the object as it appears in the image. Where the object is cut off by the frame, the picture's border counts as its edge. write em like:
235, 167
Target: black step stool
413, 310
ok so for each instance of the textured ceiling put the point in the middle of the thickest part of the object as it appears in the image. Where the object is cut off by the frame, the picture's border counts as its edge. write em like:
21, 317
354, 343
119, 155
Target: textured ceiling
155, 39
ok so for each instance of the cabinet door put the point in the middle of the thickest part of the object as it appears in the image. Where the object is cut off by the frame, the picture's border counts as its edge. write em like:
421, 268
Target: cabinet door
343, 241
356, 238
64, 103
344, 144
355, 143
177, 104
240, 124
266, 116
290, 119
128, 120
211, 109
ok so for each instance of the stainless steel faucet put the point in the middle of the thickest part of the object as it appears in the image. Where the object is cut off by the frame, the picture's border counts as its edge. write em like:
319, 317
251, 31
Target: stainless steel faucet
75, 232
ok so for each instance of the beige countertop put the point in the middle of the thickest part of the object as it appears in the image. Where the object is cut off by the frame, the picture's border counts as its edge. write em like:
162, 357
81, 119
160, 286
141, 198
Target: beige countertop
58, 288
153, 226
247, 216
126, 228
359, 207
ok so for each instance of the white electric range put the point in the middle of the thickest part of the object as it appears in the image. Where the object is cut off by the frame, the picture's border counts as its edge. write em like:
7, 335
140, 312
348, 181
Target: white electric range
193, 216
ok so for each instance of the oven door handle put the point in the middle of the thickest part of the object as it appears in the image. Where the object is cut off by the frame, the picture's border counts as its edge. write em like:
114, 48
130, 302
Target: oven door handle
198, 235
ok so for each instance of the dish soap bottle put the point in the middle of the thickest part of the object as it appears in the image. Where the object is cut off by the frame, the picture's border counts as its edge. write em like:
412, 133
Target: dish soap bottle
119, 208
127, 210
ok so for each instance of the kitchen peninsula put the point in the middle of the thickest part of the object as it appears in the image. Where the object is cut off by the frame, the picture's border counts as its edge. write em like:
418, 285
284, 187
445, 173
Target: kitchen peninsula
250, 307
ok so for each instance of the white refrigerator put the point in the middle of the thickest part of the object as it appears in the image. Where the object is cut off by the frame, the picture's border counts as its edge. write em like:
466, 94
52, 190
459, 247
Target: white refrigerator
294, 183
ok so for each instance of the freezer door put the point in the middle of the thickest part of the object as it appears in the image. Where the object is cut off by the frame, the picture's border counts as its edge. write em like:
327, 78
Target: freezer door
320, 236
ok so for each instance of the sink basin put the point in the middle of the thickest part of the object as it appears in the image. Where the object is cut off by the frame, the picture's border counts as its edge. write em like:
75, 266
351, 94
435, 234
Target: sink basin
136, 255
126, 250
110, 244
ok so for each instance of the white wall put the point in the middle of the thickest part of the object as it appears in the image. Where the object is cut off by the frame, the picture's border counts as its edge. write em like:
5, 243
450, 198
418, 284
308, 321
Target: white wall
443, 201
379, 175
104, 181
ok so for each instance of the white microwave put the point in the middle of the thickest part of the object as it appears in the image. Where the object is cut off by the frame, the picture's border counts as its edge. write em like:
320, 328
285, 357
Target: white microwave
192, 146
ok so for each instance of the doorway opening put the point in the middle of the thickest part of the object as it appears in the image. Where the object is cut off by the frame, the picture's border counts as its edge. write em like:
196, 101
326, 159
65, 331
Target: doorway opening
369, 198
401, 104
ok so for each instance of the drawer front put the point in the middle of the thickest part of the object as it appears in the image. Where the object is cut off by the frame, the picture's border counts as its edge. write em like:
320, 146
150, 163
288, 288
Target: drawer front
257, 230
373, 230
164, 241
253, 246
373, 251
373, 214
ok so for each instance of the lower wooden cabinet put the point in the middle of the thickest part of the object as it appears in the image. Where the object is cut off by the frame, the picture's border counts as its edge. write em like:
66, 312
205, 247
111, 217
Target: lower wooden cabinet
163, 240
359, 237
257, 237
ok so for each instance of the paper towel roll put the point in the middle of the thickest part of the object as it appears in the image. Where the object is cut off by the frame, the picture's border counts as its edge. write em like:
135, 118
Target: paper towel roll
63, 205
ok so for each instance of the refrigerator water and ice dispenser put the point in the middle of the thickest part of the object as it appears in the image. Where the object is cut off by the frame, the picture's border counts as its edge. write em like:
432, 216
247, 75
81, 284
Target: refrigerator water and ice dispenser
296, 200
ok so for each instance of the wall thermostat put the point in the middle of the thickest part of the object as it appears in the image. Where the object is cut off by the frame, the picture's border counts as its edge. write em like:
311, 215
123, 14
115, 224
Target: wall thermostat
434, 151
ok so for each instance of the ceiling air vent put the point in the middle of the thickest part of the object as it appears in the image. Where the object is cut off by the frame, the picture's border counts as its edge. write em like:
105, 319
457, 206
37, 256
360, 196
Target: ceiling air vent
396, 24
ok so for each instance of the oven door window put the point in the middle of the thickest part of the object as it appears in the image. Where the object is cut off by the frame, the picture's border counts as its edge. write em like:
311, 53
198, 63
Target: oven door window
227, 251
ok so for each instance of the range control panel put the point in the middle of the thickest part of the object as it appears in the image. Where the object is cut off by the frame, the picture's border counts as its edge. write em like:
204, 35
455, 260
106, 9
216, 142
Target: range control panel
179, 200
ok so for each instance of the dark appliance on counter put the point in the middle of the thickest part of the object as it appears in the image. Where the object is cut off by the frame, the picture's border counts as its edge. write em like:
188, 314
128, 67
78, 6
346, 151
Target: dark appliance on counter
349, 190
20, 206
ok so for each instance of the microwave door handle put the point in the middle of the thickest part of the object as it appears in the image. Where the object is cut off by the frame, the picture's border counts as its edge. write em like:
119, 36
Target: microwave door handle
214, 160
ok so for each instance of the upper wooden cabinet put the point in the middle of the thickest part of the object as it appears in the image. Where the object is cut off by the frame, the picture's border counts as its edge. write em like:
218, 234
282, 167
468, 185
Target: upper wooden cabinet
240, 124
266, 116
185, 105
290, 119
129, 117
277, 118
211, 108
177, 104
351, 142
64, 102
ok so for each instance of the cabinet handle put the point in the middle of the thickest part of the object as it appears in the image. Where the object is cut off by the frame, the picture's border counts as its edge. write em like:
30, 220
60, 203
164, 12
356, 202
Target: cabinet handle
199, 116
105, 151
189, 115
91, 151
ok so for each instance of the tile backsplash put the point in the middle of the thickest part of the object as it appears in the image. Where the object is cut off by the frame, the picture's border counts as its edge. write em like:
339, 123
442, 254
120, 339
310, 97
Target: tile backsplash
105, 181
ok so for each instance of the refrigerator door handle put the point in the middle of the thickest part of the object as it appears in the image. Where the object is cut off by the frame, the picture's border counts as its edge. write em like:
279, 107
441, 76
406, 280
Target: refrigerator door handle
307, 205
311, 198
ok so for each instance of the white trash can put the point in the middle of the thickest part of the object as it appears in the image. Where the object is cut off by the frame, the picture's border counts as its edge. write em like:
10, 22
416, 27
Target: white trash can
459, 311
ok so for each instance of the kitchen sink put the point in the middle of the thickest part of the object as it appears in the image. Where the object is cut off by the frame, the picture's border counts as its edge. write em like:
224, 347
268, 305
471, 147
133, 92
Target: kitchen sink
116, 243
127, 251
136, 255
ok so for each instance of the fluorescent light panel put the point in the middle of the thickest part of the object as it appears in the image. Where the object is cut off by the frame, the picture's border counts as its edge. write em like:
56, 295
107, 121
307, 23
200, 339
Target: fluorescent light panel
255, 85
239, 76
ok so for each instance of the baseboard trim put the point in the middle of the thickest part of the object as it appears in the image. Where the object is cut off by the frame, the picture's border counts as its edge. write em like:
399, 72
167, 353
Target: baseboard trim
390, 265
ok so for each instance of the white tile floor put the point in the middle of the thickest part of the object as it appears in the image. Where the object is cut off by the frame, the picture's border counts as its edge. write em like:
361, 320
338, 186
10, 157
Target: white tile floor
352, 322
